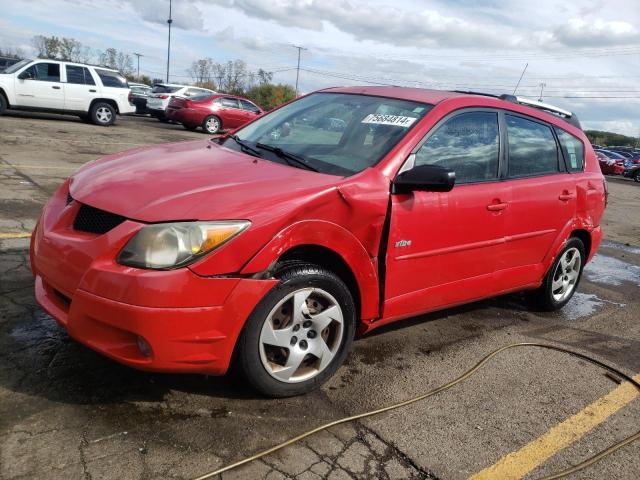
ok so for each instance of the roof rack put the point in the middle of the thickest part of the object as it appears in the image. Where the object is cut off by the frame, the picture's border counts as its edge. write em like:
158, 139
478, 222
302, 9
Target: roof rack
566, 115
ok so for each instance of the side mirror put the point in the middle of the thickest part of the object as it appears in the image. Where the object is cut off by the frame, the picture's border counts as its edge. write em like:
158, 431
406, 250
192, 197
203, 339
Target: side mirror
26, 75
429, 178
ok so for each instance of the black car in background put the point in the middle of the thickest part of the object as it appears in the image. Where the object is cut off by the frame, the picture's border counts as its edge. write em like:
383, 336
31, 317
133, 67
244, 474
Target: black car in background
139, 93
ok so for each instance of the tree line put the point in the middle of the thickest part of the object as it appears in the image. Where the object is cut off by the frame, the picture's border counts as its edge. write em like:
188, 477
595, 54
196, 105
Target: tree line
599, 137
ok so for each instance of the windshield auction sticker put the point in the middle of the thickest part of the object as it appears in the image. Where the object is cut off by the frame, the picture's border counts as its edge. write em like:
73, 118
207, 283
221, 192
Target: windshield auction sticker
397, 120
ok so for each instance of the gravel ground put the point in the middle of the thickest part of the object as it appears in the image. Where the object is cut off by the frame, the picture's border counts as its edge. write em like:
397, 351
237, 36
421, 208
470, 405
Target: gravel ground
66, 412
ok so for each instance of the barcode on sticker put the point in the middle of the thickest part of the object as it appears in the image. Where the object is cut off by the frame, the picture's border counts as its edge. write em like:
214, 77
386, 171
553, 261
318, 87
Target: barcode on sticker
397, 120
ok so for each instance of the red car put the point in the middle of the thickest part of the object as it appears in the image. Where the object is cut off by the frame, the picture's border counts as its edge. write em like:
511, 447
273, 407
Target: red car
609, 166
212, 112
273, 246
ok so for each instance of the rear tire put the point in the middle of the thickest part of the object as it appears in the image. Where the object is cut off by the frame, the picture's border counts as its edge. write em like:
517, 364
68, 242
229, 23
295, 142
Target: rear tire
3, 104
103, 114
212, 124
636, 177
562, 279
299, 334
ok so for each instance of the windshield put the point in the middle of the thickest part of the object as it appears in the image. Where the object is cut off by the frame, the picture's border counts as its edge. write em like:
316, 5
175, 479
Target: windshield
17, 66
335, 133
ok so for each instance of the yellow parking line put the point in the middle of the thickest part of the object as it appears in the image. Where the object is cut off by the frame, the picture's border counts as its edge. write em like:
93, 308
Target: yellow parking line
15, 235
517, 464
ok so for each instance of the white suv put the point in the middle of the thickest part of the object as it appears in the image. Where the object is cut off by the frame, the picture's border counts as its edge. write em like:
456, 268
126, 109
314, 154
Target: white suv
162, 93
92, 92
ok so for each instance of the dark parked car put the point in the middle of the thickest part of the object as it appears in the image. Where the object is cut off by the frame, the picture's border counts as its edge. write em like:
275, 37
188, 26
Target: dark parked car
140, 93
633, 172
6, 62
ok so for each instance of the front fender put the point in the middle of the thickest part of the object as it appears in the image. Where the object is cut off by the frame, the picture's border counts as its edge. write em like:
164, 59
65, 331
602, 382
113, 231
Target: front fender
334, 237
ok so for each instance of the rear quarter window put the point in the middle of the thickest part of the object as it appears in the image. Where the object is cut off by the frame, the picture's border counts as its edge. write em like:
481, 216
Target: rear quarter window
572, 150
112, 79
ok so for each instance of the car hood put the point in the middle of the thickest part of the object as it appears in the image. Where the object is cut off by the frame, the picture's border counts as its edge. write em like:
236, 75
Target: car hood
196, 180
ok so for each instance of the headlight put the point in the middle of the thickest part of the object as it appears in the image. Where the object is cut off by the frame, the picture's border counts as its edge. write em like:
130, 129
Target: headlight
172, 245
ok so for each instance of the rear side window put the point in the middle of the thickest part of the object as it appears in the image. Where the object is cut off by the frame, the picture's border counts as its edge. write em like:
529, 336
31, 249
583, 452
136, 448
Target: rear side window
229, 102
112, 79
468, 144
572, 149
532, 148
79, 75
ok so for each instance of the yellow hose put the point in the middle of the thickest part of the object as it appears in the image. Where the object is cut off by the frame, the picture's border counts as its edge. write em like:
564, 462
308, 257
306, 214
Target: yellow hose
590, 461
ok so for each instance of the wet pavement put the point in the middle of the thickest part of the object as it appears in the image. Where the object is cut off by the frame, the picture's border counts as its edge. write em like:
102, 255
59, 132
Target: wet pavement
66, 412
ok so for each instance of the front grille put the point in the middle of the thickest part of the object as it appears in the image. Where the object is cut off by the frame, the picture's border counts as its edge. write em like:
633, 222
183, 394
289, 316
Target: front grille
94, 220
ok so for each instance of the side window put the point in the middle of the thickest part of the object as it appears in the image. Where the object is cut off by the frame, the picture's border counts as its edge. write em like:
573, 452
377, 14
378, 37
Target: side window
249, 106
47, 72
468, 144
229, 102
572, 149
88, 78
532, 148
75, 74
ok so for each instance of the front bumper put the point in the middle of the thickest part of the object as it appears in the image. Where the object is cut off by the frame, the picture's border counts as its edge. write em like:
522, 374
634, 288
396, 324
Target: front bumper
191, 323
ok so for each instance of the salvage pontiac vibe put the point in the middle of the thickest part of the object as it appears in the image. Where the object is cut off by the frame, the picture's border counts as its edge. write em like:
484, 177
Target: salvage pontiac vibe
350, 208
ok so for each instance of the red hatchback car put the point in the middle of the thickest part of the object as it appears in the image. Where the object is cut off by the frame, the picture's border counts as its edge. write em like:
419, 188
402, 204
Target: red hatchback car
212, 112
273, 246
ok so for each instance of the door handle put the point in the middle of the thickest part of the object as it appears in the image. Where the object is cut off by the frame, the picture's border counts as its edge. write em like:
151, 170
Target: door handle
565, 196
92, 90
55, 87
497, 206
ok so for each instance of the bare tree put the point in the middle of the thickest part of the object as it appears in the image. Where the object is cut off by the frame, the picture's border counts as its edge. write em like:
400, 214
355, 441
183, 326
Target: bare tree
202, 71
47, 47
120, 61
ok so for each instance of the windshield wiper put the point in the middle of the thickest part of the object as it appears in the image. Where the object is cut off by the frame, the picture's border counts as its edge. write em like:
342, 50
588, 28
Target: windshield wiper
245, 147
287, 156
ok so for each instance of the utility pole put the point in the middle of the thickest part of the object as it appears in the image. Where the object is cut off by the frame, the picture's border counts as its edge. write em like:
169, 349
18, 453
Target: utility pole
170, 21
298, 68
542, 85
138, 55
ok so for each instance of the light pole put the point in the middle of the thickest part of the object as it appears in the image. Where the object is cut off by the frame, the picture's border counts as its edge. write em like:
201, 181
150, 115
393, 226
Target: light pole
170, 21
298, 68
542, 85
138, 55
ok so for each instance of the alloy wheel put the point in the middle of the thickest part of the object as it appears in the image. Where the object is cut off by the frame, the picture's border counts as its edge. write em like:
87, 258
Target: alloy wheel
212, 125
301, 335
103, 114
566, 275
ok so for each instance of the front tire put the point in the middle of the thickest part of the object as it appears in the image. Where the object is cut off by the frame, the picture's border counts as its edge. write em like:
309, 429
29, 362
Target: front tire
636, 177
299, 333
3, 104
212, 124
103, 114
562, 279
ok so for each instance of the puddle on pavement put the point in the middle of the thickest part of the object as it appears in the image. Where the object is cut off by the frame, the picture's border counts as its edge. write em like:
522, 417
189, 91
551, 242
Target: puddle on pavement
585, 304
611, 271
620, 246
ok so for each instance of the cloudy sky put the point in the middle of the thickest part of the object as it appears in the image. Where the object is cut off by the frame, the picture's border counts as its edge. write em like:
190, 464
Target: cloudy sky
588, 50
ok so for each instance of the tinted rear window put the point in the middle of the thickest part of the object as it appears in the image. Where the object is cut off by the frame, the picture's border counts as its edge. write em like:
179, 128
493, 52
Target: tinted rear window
532, 148
112, 79
79, 75
164, 89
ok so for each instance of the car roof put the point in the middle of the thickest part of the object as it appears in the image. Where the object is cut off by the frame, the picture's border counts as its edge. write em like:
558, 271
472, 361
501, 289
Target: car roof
422, 95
